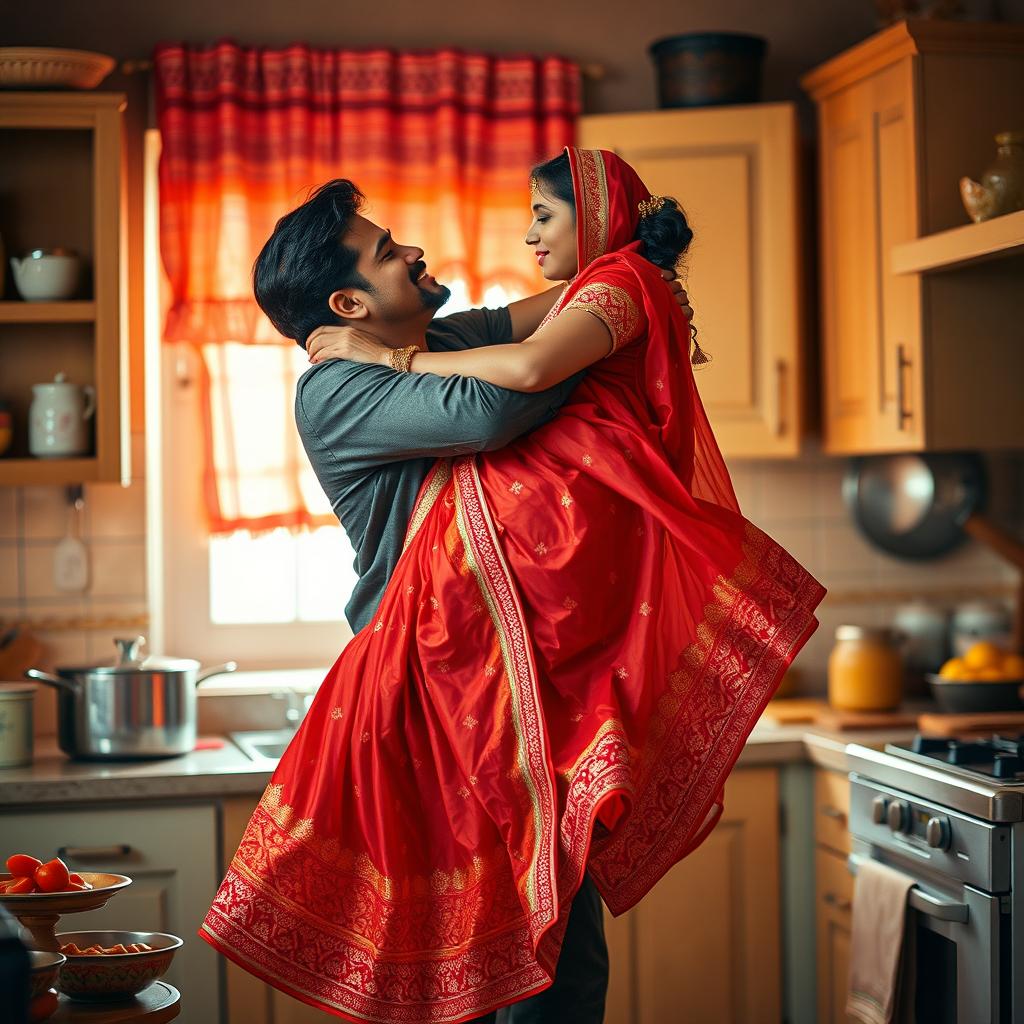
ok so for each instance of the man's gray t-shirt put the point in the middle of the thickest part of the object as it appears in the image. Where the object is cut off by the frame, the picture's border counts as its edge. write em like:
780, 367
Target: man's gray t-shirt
372, 435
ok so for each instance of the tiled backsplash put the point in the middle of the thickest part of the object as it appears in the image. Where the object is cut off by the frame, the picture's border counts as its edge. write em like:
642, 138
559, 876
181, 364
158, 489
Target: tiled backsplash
799, 503
75, 628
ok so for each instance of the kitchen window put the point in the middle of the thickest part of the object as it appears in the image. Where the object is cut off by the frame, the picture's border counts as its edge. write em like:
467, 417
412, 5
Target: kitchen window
269, 600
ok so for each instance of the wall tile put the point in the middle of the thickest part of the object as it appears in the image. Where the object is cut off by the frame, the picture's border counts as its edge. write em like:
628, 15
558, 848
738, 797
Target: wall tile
788, 493
118, 569
45, 514
38, 577
10, 498
10, 584
115, 511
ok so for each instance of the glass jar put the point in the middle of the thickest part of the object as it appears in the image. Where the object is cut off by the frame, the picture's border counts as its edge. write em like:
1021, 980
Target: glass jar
865, 670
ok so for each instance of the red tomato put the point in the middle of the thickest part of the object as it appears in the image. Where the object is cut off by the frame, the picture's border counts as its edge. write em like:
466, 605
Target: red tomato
22, 865
76, 877
75, 887
21, 886
53, 876
44, 1005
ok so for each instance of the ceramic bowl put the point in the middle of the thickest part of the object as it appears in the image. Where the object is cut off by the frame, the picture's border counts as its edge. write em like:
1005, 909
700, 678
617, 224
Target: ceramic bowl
43, 968
92, 978
960, 697
44, 67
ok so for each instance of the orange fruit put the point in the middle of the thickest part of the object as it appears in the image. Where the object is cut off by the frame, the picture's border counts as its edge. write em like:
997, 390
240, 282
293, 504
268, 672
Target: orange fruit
983, 654
953, 669
1013, 666
989, 675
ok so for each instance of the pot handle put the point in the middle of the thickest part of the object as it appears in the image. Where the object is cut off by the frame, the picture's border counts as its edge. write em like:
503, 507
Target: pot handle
44, 677
216, 670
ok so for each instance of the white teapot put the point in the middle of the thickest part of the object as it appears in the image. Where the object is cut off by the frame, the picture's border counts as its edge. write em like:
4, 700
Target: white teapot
46, 275
57, 418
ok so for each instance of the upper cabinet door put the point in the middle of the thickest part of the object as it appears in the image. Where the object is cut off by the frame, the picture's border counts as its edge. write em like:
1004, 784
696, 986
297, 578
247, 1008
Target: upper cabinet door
734, 172
871, 351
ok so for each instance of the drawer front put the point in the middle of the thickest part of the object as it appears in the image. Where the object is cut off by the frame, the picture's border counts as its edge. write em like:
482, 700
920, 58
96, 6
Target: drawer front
171, 856
834, 881
832, 810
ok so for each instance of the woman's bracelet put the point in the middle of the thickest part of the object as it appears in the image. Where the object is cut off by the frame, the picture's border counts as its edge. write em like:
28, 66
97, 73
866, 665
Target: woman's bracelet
401, 358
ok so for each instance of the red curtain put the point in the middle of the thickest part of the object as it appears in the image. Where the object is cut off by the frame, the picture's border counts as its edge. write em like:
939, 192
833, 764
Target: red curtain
440, 141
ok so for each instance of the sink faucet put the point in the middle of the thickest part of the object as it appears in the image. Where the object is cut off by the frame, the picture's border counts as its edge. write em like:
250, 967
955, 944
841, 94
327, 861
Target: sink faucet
297, 706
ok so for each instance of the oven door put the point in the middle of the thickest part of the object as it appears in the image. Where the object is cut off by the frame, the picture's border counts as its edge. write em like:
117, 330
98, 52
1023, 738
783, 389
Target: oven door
962, 940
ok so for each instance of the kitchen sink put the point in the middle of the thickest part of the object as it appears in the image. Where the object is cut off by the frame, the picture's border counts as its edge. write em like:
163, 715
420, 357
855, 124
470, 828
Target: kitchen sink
263, 746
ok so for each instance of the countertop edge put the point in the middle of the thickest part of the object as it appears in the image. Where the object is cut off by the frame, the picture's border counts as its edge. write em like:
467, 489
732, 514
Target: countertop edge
53, 780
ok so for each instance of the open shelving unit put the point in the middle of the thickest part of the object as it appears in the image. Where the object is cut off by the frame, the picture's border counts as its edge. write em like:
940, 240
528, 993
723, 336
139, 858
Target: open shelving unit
61, 185
961, 247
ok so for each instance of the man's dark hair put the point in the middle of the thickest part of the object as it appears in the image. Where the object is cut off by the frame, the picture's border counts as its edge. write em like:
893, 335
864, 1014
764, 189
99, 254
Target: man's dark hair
304, 261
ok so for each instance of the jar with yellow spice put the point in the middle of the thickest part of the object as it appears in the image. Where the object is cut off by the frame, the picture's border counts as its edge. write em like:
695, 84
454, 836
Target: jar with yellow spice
865, 670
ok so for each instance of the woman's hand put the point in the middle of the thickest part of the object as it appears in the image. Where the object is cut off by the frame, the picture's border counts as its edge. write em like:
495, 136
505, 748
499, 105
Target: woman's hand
351, 343
675, 286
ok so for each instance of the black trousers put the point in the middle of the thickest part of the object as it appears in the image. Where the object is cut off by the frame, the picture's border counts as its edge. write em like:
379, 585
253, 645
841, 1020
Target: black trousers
581, 976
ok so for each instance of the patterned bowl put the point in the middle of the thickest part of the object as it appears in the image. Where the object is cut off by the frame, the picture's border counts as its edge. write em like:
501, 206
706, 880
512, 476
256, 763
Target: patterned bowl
92, 978
43, 969
42, 67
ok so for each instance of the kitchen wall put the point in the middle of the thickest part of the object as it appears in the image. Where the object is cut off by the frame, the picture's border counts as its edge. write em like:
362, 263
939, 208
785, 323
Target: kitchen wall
798, 502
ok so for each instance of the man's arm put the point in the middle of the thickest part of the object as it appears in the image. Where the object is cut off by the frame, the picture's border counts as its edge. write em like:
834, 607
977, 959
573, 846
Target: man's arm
369, 416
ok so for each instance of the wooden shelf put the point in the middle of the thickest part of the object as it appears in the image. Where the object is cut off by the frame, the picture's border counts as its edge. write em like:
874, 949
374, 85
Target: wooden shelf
961, 247
18, 312
36, 472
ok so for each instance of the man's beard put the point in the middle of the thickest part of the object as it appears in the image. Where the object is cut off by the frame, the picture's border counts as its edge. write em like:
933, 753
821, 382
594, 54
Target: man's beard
435, 298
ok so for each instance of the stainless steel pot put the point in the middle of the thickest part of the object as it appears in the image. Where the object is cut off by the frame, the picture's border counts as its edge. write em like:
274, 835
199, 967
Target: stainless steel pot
136, 709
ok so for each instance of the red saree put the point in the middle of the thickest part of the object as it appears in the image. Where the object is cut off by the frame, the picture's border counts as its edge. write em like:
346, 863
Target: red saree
578, 638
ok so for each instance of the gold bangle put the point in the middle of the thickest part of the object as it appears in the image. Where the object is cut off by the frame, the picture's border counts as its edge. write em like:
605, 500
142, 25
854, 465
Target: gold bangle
401, 358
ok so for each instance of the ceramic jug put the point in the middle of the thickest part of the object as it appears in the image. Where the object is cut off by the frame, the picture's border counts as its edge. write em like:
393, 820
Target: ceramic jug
57, 418
1001, 189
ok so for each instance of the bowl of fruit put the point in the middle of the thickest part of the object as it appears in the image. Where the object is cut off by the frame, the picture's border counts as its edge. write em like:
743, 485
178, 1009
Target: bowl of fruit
986, 678
113, 964
38, 893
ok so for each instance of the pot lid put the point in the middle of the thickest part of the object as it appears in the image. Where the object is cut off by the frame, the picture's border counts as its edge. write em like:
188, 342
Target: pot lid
129, 662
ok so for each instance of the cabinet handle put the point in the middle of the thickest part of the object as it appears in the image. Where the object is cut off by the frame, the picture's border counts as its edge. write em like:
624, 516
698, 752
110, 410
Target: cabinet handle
112, 852
903, 414
834, 901
833, 812
780, 396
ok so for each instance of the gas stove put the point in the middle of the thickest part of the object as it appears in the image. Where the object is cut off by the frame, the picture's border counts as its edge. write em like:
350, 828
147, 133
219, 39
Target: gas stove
949, 814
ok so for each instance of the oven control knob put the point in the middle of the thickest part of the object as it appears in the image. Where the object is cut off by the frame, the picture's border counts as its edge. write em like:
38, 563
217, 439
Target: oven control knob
899, 816
937, 833
879, 810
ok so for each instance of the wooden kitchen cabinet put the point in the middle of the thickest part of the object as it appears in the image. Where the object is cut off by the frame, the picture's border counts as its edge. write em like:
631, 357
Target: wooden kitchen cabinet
169, 852
914, 362
704, 945
61, 185
734, 171
833, 893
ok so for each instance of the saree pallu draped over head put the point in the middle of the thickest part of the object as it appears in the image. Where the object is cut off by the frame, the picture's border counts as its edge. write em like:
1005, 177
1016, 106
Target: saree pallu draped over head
578, 638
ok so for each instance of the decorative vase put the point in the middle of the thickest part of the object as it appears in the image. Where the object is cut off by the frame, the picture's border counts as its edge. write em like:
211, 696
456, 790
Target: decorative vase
1001, 189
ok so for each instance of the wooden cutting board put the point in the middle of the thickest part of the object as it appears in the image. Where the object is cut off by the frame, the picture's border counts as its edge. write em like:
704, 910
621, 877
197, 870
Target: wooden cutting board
793, 710
976, 723
841, 721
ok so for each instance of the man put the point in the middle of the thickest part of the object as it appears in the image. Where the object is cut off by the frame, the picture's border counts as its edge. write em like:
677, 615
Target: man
372, 436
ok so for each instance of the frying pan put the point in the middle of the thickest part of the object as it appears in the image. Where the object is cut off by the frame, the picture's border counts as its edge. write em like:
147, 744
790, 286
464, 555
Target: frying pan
914, 506
918, 506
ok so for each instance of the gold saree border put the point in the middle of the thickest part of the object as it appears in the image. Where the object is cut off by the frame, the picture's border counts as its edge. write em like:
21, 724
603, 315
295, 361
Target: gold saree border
592, 204
487, 563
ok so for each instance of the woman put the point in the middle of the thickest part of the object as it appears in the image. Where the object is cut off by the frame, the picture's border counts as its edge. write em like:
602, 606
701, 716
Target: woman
573, 648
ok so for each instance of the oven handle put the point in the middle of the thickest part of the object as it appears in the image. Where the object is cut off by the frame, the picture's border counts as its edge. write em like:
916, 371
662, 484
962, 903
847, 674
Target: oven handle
922, 902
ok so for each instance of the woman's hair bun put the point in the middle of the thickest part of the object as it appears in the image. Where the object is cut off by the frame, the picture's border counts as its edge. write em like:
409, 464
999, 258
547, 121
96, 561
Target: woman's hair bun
665, 234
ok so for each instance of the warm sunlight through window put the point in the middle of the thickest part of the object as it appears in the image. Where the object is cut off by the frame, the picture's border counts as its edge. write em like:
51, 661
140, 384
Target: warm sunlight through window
280, 577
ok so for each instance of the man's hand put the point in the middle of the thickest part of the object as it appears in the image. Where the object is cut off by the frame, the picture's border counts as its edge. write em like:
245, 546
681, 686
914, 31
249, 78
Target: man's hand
679, 292
351, 343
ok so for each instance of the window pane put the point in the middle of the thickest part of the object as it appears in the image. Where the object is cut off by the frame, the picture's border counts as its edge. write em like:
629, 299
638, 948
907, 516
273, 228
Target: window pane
326, 574
252, 579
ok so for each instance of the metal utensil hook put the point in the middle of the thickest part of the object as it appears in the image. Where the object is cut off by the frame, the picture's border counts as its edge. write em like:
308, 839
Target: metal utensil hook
74, 496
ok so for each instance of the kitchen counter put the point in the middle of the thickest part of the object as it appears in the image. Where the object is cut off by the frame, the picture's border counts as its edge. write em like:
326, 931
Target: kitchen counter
54, 779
